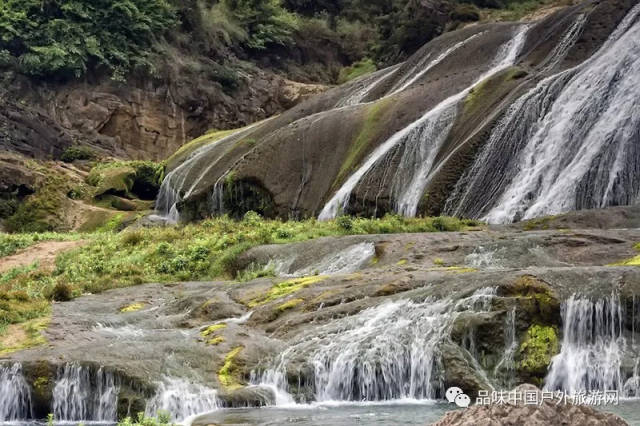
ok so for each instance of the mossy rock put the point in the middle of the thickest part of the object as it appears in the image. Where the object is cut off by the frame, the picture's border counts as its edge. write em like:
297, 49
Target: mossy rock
540, 344
42, 377
230, 373
116, 180
535, 298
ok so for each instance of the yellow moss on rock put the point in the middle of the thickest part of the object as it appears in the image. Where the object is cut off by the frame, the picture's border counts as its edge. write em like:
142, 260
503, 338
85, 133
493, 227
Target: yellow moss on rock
216, 340
634, 261
212, 329
290, 304
134, 307
227, 375
286, 288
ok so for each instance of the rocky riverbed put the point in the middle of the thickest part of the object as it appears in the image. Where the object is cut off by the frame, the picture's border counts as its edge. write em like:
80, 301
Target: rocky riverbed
489, 305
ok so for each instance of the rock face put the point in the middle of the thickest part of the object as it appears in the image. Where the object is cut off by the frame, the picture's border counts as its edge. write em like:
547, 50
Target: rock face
547, 414
135, 120
411, 138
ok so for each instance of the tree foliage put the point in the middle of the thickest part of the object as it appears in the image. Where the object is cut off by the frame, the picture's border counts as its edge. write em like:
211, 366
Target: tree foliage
264, 21
67, 37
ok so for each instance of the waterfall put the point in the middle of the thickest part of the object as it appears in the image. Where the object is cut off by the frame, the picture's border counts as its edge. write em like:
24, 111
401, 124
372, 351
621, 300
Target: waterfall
593, 347
181, 181
422, 140
365, 86
387, 352
15, 394
504, 370
182, 399
568, 41
571, 142
425, 64
82, 393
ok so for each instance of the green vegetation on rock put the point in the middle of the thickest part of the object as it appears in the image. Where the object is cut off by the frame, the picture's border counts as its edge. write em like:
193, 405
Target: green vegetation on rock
539, 345
286, 288
134, 307
228, 373
212, 329
370, 129
634, 261
358, 69
142, 178
202, 251
163, 418
290, 304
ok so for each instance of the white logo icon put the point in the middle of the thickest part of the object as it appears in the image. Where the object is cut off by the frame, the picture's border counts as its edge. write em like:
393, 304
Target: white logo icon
455, 394
463, 400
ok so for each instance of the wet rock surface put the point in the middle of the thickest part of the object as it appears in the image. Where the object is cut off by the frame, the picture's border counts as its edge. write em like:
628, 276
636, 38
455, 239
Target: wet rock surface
217, 333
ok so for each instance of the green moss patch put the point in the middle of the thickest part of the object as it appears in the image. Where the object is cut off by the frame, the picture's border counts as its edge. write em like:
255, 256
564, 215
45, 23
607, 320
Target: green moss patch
290, 304
286, 288
132, 179
212, 329
634, 261
371, 127
187, 149
134, 307
358, 69
228, 373
539, 346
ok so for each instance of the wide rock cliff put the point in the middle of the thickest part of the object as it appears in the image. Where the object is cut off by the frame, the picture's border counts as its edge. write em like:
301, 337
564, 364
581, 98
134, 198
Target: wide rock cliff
453, 129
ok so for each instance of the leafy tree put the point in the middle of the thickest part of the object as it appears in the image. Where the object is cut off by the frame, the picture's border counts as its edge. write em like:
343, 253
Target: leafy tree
66, 37
265, 22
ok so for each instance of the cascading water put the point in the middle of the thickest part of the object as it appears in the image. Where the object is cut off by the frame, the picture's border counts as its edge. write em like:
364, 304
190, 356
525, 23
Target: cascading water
572, 142
568, 41
593, 347
15, 394
365, 87
391, 351
425, 65
422, 140
504, 371
82, 393
182, 399
184, 179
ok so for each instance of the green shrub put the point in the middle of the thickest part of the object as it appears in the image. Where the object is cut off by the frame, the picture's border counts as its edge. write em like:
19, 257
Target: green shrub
163, 418
266, 22
62, 292
345, 223
74, 153
365, 66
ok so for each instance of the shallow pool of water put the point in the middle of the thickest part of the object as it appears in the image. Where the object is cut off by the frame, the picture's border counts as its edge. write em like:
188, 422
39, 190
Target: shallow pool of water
365, 414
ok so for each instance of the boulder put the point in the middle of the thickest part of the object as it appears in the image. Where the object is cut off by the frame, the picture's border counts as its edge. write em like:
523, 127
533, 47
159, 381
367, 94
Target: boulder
546, 414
